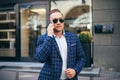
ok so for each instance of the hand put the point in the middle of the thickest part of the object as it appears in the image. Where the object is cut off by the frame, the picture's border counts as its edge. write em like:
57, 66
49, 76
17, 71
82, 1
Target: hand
70, 73
50, 29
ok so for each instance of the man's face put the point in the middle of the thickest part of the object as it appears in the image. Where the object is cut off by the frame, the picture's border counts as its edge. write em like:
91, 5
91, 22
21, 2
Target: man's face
57, 21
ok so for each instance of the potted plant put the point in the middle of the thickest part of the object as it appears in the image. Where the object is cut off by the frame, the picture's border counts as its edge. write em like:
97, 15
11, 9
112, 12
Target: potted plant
86, 38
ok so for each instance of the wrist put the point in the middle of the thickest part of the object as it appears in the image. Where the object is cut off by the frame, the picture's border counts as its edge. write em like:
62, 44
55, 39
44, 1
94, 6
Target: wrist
50, 35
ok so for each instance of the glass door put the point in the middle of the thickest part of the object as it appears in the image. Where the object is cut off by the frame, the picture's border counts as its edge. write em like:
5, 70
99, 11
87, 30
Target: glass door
31, 23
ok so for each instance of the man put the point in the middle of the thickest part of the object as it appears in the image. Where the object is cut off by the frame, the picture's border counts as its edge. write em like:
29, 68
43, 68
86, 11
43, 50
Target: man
60, 51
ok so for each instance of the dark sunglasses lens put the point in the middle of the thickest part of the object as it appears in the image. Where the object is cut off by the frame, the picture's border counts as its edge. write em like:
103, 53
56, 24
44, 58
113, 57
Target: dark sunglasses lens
55, 20
61, 20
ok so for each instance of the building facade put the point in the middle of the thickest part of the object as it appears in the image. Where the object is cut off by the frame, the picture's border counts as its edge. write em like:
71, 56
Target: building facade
17, 42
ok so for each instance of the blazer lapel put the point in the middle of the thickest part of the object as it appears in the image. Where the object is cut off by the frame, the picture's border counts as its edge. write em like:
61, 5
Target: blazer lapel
68, 47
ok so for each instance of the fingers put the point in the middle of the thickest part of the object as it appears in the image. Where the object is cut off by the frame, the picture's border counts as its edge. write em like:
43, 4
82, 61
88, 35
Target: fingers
50, 29
70, 73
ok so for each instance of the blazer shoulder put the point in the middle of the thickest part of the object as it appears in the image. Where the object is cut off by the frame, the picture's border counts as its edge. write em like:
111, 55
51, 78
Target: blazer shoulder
70, 34
42, 36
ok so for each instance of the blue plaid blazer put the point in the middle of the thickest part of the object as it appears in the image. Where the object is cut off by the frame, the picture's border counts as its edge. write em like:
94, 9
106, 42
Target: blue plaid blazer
47, 52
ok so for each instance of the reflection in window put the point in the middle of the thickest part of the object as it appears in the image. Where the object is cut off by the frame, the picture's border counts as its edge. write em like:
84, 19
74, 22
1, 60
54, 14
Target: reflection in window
33, 24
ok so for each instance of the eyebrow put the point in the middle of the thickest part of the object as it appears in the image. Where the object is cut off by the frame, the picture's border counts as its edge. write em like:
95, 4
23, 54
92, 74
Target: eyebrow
59, 18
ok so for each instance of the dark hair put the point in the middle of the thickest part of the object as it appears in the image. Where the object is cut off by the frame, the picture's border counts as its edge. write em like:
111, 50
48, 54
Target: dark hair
54, 10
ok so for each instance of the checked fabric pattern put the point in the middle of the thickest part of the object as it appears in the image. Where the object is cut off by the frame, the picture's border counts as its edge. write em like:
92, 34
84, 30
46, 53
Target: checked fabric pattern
47, 52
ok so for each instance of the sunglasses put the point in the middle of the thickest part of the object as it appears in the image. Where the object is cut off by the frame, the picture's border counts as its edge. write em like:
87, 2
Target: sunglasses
56, 20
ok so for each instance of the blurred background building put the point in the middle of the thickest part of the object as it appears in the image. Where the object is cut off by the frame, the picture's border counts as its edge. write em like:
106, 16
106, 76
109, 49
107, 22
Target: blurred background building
22, 21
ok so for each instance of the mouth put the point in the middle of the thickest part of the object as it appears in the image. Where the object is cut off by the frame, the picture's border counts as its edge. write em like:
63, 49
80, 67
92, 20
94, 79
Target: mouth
58, 28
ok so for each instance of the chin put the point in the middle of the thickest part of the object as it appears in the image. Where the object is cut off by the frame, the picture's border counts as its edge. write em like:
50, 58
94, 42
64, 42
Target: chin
58, 30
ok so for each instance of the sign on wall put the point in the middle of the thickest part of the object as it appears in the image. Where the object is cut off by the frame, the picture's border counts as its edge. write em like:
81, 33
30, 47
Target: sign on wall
104, 28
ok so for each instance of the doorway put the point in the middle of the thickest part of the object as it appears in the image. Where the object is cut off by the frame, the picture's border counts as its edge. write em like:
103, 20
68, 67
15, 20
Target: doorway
31, 20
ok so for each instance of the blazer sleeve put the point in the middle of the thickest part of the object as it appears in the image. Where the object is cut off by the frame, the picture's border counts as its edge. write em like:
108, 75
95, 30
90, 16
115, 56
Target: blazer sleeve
81, 58
43, 48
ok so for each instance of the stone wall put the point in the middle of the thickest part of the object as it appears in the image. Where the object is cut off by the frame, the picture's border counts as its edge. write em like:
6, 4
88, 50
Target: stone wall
106, 48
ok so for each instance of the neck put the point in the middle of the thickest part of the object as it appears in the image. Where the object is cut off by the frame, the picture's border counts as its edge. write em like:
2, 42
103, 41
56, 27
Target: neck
59, 33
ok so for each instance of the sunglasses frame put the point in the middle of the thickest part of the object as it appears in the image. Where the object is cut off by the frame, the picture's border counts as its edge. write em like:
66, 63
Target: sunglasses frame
61, 20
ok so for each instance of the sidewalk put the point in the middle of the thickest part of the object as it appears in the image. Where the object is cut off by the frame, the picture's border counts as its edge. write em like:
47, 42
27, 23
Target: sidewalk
30, 71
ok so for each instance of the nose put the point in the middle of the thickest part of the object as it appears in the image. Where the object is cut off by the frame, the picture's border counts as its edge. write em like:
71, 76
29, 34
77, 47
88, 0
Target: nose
58, 21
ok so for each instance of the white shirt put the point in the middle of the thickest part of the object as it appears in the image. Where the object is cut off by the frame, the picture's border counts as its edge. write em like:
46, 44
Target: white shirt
62, 44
